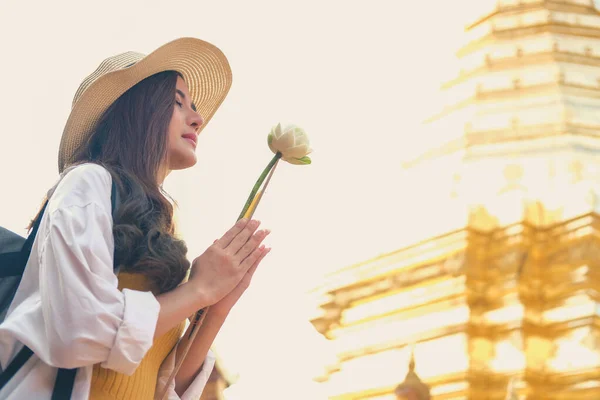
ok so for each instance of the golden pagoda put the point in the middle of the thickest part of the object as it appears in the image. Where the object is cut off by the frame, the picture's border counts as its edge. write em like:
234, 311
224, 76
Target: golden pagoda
501, 283
412, 388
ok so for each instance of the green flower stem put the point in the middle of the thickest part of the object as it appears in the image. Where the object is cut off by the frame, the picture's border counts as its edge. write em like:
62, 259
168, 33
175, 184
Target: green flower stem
258, 183
256, 200
261, 178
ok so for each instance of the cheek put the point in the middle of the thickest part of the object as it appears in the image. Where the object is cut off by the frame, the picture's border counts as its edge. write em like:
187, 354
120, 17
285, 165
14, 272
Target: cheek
175, 129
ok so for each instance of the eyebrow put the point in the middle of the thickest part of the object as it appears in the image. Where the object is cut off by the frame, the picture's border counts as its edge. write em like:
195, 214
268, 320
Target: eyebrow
183, 97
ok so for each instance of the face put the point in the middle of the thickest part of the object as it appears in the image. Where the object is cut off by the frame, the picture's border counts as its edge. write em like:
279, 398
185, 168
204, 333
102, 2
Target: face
183, 130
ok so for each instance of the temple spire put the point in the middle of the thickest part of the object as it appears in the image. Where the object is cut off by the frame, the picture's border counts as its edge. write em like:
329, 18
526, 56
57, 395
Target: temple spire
413, 387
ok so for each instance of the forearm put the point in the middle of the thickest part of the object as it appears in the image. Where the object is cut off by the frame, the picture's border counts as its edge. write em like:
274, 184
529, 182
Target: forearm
196, 355
176, 306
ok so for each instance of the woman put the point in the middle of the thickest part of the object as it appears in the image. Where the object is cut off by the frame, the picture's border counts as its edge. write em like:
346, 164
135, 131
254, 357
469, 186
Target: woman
133, 121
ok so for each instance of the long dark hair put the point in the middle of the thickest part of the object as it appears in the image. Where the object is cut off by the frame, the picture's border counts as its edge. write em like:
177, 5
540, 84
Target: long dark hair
130, 141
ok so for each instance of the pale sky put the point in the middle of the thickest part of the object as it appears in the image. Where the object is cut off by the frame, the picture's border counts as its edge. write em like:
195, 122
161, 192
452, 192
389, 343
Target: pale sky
359, 76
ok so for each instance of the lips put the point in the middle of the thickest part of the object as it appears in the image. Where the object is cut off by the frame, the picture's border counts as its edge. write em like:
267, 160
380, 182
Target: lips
191, 137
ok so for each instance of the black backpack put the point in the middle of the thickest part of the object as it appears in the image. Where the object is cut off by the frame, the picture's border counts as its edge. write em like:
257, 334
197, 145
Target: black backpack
14, 253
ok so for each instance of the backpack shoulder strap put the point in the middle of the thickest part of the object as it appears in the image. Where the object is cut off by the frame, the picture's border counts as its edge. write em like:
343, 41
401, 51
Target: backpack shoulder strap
28, 245
114, 201
63, 385
19, 360
114, 196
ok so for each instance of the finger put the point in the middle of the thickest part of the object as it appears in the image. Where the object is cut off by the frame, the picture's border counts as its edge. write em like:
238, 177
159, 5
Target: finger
242, 237
254, 258
257, 262
252, 244
232, 233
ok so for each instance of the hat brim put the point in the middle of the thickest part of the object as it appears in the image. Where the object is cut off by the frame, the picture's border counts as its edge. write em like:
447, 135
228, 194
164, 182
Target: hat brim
203, 66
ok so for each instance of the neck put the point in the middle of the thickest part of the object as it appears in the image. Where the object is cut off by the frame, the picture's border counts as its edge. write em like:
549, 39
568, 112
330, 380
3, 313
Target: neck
162, 175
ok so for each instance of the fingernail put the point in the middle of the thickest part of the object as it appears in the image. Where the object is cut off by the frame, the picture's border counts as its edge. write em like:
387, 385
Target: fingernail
267, 231
254, 223
242, 222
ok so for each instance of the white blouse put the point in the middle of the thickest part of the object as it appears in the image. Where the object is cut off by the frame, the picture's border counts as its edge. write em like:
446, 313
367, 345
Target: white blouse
68, 309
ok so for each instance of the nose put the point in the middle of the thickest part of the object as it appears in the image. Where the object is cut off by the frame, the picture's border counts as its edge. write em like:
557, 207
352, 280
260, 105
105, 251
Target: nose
195, 121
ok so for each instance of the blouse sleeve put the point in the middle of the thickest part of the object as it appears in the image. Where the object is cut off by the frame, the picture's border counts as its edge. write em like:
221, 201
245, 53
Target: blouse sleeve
194, 391
87, 319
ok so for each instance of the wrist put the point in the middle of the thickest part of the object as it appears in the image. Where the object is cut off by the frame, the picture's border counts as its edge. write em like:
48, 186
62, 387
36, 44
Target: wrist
198, 296
216, 316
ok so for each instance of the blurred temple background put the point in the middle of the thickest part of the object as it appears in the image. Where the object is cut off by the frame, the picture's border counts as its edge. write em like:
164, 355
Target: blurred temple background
500, 299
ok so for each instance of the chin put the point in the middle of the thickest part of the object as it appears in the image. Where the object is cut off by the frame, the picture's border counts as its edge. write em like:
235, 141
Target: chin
182, 162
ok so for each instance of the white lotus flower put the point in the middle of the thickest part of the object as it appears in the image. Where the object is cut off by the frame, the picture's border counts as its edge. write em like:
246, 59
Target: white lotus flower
292, 142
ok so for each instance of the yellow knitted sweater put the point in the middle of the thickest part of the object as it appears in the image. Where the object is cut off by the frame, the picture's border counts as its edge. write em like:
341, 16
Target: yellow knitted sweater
110, 385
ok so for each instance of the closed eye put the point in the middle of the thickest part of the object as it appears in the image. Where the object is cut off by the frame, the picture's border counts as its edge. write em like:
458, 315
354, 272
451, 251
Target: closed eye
180, 93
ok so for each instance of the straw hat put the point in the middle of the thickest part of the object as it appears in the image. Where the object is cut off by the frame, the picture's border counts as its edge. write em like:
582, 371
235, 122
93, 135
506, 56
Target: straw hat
203, 66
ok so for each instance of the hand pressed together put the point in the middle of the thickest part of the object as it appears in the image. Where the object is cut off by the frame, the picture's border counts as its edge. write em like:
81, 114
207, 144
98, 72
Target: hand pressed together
224, 271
